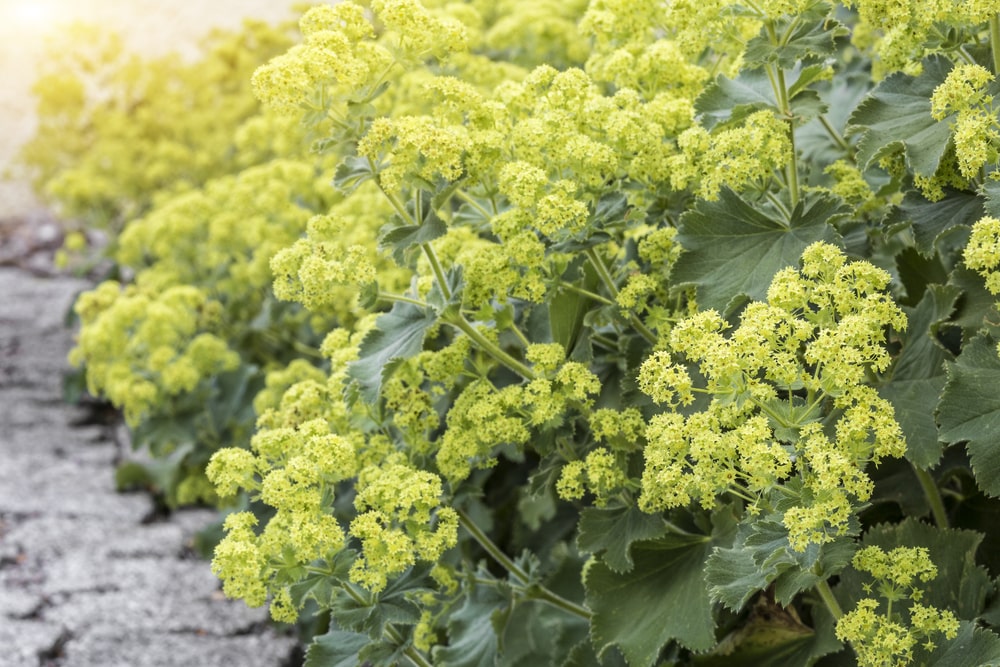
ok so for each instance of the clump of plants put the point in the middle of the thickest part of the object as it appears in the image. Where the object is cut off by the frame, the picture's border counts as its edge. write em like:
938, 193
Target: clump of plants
674, 344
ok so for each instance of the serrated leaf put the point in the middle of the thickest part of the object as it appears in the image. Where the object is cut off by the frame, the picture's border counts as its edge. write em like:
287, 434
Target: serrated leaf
638, 611
970, 410
337, 648
472, 637
991, 192
919, 376
977, 306
352, 172
401, 238
761, 555
398, 335
731, 248
531, 635
973, 647
810, 34
961, 585
897, 113
931, 221
726, 100
583, 655
612, 532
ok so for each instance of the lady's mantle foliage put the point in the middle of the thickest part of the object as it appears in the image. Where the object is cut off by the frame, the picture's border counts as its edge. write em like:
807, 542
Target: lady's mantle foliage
644, 326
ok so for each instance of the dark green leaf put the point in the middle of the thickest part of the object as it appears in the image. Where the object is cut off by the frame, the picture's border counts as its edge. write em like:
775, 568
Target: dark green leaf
960, 586
732, 249
977, 306
337, 648
472, 638
931, 221
398, 335
639, 611
918, 376
970, 410
973, 647
613, 531
898, 114
352, 172
991, 191
810, 34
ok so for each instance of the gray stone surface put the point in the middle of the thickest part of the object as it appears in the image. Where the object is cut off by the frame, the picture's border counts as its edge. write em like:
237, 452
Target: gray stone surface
86, 580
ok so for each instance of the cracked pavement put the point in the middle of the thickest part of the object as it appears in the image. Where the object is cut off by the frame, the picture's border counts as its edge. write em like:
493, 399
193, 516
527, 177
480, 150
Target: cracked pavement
90, 577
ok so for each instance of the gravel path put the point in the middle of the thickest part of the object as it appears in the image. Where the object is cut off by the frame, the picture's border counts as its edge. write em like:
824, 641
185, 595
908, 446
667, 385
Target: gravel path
86, 578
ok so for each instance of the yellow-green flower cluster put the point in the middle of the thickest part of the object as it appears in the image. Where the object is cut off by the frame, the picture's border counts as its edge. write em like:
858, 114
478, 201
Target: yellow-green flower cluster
156, 124
964, 94
901, 33
735, 157
600, 473
887, 639
142, 347
982, 253
803, 352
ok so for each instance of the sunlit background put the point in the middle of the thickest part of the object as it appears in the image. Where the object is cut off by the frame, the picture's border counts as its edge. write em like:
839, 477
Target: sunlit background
150, 26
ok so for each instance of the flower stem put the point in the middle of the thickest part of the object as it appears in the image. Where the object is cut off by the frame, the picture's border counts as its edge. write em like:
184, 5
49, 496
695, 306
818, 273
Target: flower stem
825, 594
933, 495
995, 41
536, 590
489, 347
609, 283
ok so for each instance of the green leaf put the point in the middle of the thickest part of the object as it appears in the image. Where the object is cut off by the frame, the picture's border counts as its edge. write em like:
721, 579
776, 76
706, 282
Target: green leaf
932, 221
961, 585
398, 335
337, 648
352, 172
613, 531
918, 376
531, 635
973, 647
583, 655
639, 612
977, 306
403, 237
897, 113
732, 249
727, 100
472, 637
810, 34
991, 191
761, 555
970, 410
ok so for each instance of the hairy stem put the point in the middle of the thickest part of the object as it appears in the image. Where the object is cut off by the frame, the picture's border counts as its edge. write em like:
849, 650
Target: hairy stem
489, 347
933, 495
537, 591
823, 590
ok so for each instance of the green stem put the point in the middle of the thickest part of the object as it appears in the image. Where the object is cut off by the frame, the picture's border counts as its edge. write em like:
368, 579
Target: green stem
933, 495
793, 167
490, 347
415, 656
590, 295
825, 594
540, 592
389, 296
609, 283
473, 203
836, 136
995, 41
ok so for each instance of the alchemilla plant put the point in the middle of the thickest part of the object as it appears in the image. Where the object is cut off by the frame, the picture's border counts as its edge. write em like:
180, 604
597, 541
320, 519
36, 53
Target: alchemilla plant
589, 333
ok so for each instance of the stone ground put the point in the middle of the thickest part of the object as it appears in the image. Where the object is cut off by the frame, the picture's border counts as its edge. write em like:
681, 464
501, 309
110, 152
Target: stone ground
90, 577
